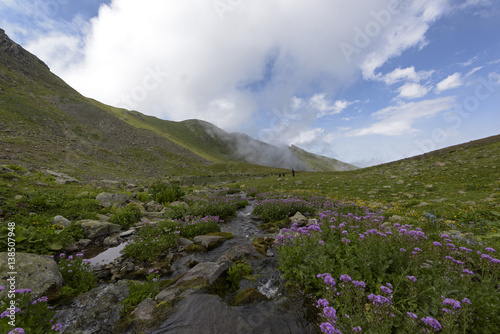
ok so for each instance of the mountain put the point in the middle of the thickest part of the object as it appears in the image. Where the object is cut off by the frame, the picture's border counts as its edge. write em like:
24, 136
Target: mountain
47, 123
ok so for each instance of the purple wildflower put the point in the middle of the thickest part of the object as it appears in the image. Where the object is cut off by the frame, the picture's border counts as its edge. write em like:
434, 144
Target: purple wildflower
327, 328
57, 327
17, 331
489, 249
345, 278
321, 242
330, 312
466, 300
467, 271
402, 250
412, 278
357, 329
385, 290
322, 302
451, 302
435, 243
432, 322
445, 236
412, 315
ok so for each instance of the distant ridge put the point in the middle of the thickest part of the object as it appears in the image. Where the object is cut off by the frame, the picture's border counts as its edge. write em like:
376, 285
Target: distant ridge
46, 122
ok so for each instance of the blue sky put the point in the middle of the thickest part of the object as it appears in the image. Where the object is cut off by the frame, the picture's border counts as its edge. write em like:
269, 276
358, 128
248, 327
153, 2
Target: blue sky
365, 84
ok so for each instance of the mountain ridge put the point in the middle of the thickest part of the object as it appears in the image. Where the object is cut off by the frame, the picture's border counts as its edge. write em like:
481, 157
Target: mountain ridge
47, 122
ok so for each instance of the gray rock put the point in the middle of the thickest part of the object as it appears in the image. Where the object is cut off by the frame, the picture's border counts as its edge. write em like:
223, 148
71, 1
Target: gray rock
183, 242
153, 206
117, 200
208, 271
127, 233
112, 241
299, 219
144, 311
94, 312
97, 229
36, 272
243, 251
167, 295
179, 204
396, 218
209, 241
421, 204
62, 178
18, 197
61, 221
269, 253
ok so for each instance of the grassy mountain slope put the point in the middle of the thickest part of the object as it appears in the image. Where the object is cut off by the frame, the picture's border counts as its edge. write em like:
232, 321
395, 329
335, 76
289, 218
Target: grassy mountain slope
460, 184
47, 123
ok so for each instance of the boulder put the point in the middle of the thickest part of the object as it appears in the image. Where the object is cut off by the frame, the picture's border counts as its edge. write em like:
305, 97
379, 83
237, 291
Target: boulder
94, 312
153, 206
36, 272
244, 251
299, 219
167, 295
62, 178
60, 221
209, 241
97, 229
112, 241
117, 200
208, 272
144, 311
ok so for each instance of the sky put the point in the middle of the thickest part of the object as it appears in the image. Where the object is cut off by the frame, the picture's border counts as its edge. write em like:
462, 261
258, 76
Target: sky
365, 82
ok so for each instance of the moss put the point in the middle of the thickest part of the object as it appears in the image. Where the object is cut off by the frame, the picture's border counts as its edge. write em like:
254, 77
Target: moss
195, 248
249, 296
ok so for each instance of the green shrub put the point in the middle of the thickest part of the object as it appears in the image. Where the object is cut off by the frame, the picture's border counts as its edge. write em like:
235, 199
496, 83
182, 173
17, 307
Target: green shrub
276, 209
150, 242
192, 226
236, 272
143, 197
169, 195
77, 275
140, 291
127, 216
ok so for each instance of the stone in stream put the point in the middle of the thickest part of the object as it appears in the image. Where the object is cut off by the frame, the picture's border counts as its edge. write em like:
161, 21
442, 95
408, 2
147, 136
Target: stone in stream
97, 229
244, 251
95, 311
209, 241
299, 219
36, 272
112, 241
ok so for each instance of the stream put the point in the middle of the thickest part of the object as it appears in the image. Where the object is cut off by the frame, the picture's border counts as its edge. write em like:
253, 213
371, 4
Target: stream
201, 312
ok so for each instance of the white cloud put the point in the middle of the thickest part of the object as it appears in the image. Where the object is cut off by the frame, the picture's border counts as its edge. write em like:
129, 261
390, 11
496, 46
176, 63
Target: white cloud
404, 74
412, 91
325, 107
307, 136
452, 81
494, 77
398, 120
469, 61
474, 70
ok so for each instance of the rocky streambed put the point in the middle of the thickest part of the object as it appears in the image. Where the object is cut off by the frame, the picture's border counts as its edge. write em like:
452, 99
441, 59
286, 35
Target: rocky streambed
195, 296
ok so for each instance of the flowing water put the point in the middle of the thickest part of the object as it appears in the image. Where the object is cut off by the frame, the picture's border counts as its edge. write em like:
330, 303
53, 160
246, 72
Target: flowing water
200, 312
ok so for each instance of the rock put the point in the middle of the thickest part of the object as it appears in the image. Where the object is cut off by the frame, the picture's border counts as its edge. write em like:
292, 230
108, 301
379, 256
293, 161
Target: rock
103, 218
97, 229
462, 192
167, 295
400, 182
209, 241
76, 246
83, 194
421, 204
298, 183
62, 178
299, 219
127, 233
144, 311
208, 272
269, 253
82, 243
248, 296
153, 206
117, 200
112, 241
183, 242
313, 221
36, 272
429, 186
244, 251
18, 197
60, 221
95, 311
